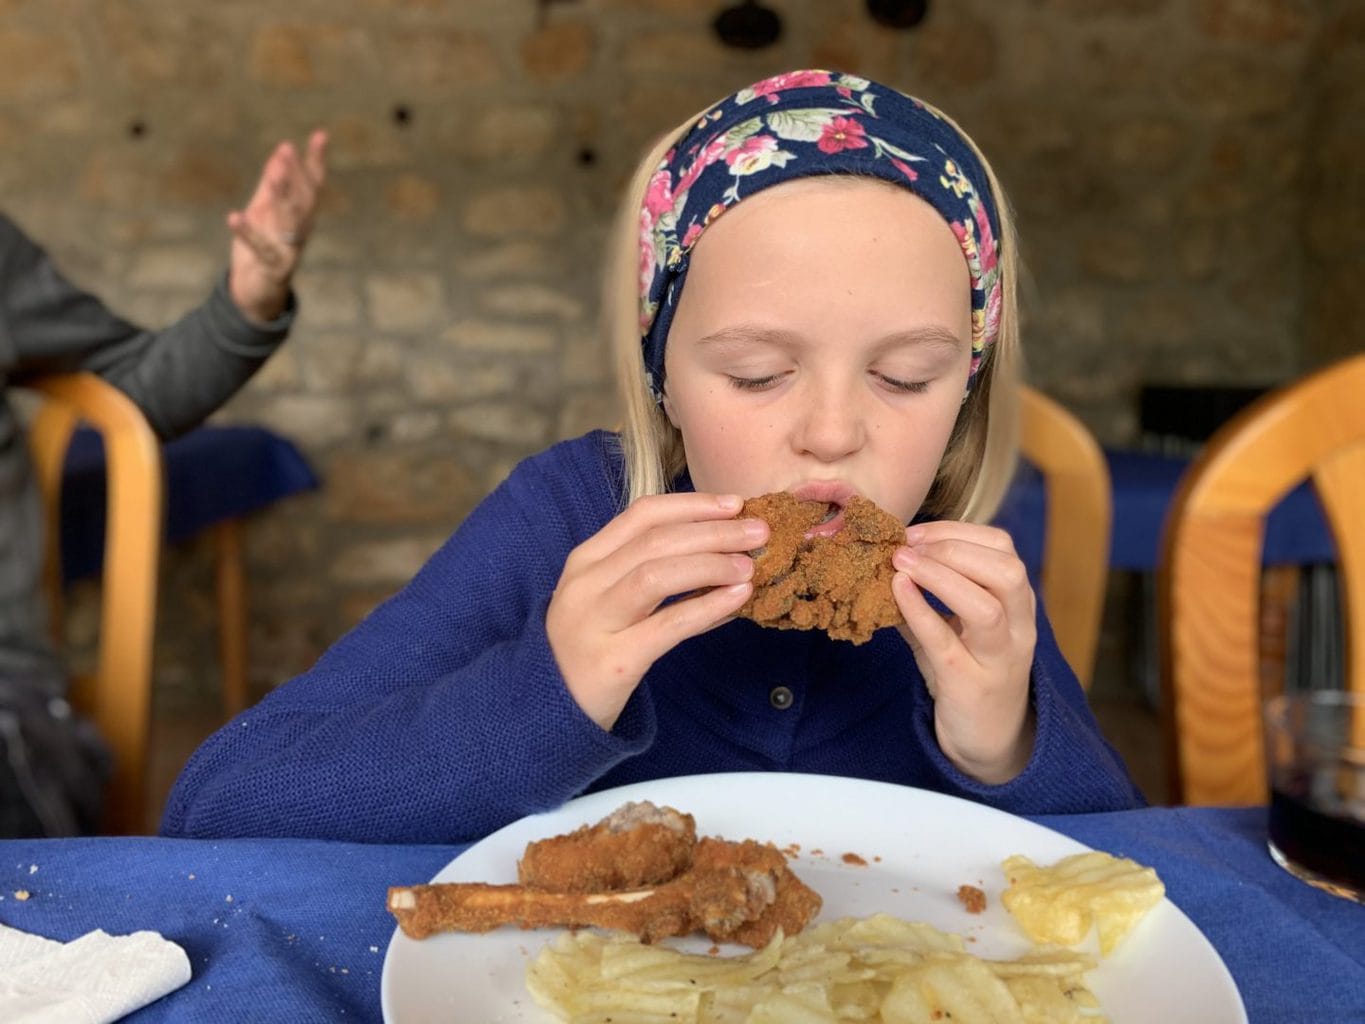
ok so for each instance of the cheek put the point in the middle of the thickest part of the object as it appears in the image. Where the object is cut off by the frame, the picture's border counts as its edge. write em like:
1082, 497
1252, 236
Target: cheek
716, 456
724, 447
919, 451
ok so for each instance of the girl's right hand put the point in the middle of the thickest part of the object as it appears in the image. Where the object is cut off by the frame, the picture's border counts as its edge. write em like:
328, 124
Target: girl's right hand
605, 624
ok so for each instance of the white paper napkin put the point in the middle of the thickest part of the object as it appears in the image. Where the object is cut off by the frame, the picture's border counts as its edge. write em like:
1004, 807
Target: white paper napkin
96, 979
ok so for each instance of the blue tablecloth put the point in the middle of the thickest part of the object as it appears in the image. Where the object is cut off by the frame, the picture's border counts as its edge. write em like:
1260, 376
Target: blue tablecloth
1143, 486
297, 931
212, 474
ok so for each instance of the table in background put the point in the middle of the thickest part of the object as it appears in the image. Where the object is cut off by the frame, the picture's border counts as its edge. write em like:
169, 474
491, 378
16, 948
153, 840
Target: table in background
297, 930
1143, 486
215, 476
1299, 557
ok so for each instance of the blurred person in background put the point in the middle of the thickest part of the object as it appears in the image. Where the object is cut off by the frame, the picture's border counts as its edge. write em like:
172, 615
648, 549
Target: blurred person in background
53, 765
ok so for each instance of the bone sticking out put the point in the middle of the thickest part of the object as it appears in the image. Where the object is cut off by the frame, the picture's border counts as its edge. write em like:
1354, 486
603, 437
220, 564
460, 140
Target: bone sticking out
735, 892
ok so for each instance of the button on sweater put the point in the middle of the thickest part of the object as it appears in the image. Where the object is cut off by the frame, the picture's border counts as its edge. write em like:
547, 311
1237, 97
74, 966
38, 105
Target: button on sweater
443, 716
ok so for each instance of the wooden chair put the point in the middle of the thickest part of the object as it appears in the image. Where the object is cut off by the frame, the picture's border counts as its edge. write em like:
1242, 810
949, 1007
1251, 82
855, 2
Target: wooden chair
118, 696
1209, 580
1077, 531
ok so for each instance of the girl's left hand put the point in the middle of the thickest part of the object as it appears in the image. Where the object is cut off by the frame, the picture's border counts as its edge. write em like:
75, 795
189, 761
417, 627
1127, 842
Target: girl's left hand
977, 661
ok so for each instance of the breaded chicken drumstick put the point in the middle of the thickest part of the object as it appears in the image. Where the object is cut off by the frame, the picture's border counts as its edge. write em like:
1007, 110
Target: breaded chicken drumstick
734, 892
636, 845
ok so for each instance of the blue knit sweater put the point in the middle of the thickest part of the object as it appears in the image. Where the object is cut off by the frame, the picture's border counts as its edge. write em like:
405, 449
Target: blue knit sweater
443, 715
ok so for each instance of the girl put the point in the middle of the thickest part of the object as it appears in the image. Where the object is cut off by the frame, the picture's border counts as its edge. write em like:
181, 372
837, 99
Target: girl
813, 292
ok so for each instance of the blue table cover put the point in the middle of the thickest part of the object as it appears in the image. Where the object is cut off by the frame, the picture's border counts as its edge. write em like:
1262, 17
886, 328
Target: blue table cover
216, 473
1143, 486
213, 473
285, 930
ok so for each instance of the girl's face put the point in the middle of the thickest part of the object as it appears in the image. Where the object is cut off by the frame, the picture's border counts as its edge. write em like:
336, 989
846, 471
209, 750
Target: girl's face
821, 345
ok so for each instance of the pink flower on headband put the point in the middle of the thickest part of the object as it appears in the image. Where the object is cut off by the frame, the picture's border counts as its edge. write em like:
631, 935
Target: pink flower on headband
770, 87
756, 153
714, 150
842, 133
986, 238
990, 326
659, 194
906, 169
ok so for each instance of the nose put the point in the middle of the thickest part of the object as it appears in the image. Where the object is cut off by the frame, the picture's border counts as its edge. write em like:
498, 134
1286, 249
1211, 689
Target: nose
832, 424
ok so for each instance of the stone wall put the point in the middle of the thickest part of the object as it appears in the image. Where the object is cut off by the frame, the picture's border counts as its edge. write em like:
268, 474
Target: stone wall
1185, 173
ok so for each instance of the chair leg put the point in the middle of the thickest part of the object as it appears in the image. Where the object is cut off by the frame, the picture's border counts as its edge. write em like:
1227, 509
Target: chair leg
231, 615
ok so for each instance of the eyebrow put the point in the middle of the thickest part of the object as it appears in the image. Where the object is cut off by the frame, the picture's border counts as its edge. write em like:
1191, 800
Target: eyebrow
930, 335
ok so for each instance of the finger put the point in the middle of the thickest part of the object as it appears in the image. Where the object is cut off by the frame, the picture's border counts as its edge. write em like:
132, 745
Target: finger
670, 626
656, 510
1000, 573
950, 529
642, 590
677, 540
315, 164
932, 637
291, 193
984, 622
285, 195
271, 252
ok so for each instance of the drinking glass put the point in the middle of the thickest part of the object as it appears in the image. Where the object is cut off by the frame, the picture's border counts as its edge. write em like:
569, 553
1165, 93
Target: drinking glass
1315, 753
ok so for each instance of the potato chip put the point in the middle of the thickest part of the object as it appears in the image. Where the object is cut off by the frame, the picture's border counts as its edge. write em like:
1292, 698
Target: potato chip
1059, 962
872, 969
795, 1004
960, 989
1044, 1002
1058, 904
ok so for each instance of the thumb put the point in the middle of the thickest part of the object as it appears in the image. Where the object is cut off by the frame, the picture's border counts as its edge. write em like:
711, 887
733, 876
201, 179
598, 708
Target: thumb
921, 659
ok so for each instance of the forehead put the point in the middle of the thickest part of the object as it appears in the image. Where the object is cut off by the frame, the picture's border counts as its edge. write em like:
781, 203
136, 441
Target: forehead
808, 239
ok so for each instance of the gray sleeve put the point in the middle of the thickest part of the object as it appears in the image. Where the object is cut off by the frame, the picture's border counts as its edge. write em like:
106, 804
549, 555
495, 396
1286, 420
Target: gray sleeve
177, 375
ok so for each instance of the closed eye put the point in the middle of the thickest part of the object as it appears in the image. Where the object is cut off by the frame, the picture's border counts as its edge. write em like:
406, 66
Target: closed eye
910, 387
755, 383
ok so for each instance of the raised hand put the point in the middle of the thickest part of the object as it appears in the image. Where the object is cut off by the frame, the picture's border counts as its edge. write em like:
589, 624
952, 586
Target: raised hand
269, 233
976, 661
608, 621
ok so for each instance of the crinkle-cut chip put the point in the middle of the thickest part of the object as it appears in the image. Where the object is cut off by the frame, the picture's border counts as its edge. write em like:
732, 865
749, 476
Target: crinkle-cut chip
960, 989
1059, 904
795, 1004
1050, 962
1043, 1001
871, 969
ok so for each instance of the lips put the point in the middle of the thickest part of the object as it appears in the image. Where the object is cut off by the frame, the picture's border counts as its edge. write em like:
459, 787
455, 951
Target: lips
834, 493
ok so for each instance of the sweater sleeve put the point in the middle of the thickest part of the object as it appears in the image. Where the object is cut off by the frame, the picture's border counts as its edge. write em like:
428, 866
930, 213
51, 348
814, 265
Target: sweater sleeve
1072, 770
177, 375
438, 719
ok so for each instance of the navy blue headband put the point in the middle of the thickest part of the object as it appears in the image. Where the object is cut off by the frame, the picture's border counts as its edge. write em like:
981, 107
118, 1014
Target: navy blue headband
796, 125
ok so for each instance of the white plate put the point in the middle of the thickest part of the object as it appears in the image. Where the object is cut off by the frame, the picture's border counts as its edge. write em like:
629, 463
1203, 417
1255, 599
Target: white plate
919, 847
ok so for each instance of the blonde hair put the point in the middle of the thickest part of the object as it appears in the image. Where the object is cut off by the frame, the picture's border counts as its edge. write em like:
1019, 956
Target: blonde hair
979, 460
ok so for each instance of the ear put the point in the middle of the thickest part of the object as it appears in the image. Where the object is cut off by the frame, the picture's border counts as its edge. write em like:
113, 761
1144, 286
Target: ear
669, 410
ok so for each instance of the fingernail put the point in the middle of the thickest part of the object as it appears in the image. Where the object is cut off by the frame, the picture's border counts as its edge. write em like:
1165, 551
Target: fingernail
743, 564
914, 535
729, 502
904, 559
755, 529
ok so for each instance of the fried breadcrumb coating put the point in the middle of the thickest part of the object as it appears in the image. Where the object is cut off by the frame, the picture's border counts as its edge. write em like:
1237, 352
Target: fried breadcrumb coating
841, 584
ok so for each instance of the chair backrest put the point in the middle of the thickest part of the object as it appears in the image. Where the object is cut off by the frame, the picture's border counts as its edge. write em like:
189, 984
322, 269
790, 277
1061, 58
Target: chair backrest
1077, 531
1210, 573
118, 696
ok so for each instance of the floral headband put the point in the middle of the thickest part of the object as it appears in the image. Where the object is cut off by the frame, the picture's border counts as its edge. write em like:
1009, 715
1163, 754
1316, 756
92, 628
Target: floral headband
800, 124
